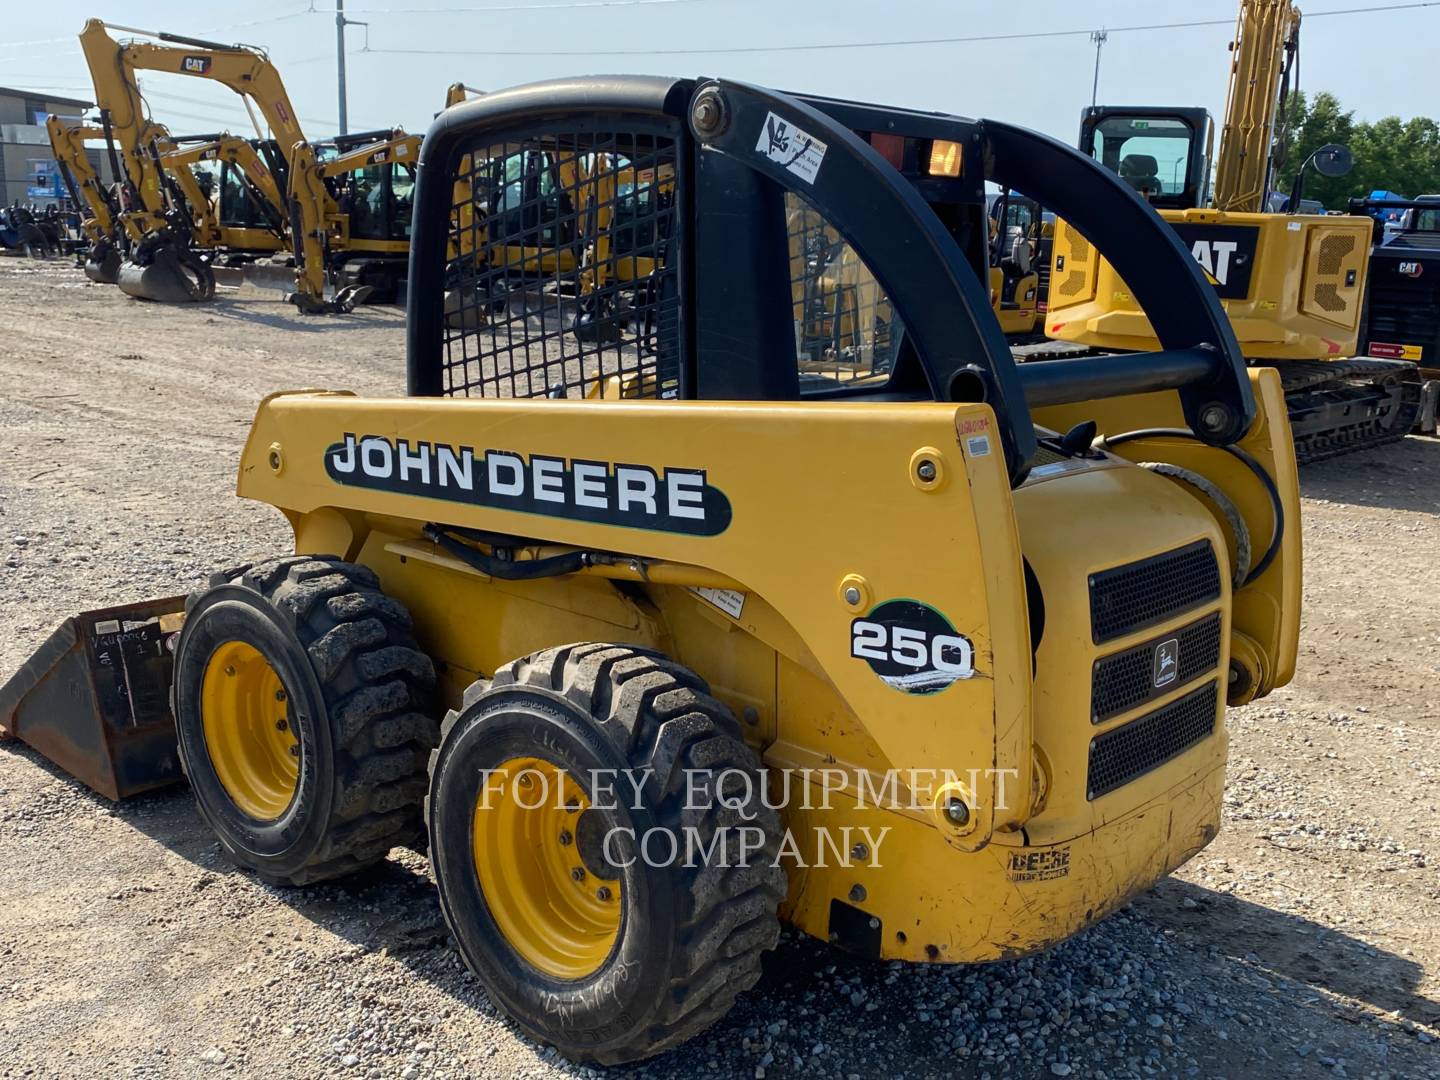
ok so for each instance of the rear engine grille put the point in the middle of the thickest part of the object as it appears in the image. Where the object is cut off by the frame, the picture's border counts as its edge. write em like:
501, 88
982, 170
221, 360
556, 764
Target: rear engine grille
1404, 311
1126, 753
1333, 252
1125, 680
1129, 598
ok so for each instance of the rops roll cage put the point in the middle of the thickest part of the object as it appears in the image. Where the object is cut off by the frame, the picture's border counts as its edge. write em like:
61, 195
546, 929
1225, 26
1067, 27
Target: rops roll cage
729, 248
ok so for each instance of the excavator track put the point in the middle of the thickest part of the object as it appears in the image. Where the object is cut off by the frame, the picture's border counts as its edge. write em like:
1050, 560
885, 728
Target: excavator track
1341, 406
1336, 406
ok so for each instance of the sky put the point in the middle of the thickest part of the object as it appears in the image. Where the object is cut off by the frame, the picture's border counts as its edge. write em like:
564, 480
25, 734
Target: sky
411, 50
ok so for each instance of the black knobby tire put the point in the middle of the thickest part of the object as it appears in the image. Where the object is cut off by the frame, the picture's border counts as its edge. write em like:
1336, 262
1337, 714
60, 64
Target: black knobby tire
690, 937
360, 695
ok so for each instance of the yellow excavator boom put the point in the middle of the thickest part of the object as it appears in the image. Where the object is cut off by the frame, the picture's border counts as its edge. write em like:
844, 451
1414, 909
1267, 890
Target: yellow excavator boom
67, 143
1267, 34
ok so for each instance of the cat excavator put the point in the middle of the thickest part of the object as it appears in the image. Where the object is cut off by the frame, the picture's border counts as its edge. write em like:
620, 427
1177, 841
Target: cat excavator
350, 218
1293, 285
99, 219
228, 164
317, 225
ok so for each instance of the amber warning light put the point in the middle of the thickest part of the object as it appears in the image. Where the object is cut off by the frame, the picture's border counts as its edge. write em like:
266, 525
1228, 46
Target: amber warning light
945, 158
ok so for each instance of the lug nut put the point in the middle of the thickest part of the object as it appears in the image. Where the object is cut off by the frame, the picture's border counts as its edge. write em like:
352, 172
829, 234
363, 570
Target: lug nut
280, 695
602, 894
524, 780
859, 852
229, 669
577, 874
295, 750
857, 894
281, 725
565, 838
957, 812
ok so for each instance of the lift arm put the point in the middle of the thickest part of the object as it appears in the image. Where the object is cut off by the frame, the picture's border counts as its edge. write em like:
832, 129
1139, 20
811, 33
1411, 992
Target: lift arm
1267, 36
245, 69
259, 182
67, 143
126, 129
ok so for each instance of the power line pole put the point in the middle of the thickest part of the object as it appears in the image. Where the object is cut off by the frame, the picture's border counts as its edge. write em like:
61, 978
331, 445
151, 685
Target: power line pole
1099, 37
340, 61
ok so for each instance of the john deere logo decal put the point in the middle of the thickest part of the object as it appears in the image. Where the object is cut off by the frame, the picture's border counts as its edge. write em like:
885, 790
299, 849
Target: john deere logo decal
195, 65
1167, 661
673, 499
912, 647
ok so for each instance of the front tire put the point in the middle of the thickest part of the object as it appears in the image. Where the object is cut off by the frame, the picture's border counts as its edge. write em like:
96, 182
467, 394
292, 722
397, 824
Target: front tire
301, 701
590, 946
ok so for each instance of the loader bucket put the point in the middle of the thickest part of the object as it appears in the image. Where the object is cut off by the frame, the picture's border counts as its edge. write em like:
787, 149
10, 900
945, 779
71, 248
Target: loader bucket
95, 698
103, 268
171, 277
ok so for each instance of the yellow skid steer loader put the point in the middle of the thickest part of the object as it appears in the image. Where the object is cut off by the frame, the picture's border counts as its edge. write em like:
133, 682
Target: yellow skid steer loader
658, 640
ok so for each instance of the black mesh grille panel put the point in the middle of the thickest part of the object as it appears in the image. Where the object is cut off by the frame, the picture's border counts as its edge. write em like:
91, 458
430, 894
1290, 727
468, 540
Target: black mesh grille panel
1333, 252
1125, 680
1120, 756
562, 278
1129, 598
1328, 298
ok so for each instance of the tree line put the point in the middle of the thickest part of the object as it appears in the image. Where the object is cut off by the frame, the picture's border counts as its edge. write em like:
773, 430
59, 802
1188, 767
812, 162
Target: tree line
1390, 154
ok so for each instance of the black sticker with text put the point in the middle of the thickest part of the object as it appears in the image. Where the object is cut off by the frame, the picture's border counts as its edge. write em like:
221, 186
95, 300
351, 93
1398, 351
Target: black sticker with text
912, 647
1046, 864
674, 499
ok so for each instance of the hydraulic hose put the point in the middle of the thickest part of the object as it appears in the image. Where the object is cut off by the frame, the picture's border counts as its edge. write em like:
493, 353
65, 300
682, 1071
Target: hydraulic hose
1277, 506
508, 569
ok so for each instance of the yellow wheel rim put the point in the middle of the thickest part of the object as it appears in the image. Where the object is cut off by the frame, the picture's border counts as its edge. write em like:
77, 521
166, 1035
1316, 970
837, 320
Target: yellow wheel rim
245, 713
555, 914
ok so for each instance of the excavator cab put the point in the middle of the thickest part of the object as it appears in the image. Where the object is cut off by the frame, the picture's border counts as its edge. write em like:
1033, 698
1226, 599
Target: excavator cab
1017, 245
1163, 153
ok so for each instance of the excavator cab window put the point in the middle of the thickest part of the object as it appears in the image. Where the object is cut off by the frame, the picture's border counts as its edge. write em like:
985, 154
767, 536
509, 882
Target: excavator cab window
237, 209
380, 199
529, 200
1161, 156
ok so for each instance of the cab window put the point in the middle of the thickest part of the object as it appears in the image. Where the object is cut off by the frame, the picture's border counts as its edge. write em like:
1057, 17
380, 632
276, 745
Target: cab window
846, 330
1151, 154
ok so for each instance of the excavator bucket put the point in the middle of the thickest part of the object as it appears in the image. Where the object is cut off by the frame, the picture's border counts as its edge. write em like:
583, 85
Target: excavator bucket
95, 698
102, 265
171, 276
343, 302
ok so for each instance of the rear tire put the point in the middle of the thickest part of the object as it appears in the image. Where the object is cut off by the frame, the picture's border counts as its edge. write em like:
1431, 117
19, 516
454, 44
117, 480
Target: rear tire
687, 939
345, 681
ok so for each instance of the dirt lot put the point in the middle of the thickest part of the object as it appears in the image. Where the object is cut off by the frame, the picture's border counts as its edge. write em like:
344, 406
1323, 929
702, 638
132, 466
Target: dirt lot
1303, 942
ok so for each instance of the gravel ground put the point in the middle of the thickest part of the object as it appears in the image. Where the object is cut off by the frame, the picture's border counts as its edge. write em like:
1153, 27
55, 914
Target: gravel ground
1303, 942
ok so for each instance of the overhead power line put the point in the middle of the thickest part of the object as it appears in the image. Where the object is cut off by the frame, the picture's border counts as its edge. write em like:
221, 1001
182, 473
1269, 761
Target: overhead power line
207, 30
469, 9
1030, 35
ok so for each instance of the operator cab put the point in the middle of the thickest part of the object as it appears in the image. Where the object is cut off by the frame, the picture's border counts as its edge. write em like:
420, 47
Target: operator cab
1162, 153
